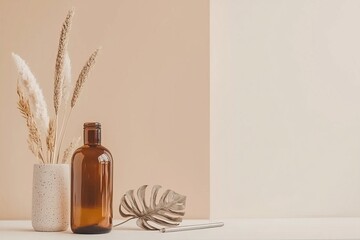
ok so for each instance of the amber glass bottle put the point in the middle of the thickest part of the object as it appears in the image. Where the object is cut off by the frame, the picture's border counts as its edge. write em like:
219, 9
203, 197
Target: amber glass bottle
91, 184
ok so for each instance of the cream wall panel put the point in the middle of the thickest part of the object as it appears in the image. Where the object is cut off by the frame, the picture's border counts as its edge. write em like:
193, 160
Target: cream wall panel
285, 116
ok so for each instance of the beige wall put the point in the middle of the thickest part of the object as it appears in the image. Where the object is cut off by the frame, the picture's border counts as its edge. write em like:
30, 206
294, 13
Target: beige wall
149, 89
285, 115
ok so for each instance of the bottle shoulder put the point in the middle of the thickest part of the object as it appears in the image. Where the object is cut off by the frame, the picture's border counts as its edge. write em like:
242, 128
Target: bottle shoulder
92, 152
107, 151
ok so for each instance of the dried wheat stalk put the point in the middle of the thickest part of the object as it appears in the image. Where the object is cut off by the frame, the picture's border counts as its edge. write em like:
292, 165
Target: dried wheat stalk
68, 151
34, 139
59, 66
82, 77
59, 70
50, 138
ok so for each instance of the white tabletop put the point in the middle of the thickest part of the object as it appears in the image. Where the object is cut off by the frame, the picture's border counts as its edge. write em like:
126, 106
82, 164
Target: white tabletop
299, 228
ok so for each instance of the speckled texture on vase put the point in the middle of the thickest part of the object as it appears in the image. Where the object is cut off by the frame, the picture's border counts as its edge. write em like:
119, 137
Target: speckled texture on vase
51, 197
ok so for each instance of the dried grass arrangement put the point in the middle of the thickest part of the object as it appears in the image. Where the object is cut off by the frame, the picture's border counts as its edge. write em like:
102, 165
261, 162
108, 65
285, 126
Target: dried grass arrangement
33, 107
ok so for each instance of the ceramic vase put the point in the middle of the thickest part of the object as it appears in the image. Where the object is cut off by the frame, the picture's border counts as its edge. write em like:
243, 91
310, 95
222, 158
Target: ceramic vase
51, 197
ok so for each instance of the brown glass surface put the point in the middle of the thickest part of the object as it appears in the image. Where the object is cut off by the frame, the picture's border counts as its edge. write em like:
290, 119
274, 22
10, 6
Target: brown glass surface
91, 188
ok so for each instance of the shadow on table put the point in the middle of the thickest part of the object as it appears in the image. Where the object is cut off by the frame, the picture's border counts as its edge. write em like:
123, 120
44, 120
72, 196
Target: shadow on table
127, 229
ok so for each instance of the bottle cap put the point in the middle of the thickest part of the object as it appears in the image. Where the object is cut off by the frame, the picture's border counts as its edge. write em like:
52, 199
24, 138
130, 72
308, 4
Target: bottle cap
92, 125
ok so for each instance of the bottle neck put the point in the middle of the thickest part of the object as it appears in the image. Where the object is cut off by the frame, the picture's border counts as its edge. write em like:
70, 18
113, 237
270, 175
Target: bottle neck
92, 136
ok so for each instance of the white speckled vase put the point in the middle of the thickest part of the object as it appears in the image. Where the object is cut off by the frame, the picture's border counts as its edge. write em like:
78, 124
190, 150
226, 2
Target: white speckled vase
51, 197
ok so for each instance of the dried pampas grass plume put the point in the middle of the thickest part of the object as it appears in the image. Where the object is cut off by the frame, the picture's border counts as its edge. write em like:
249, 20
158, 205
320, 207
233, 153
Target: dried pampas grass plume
67, 79
59, 66
82, 77
36, 98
